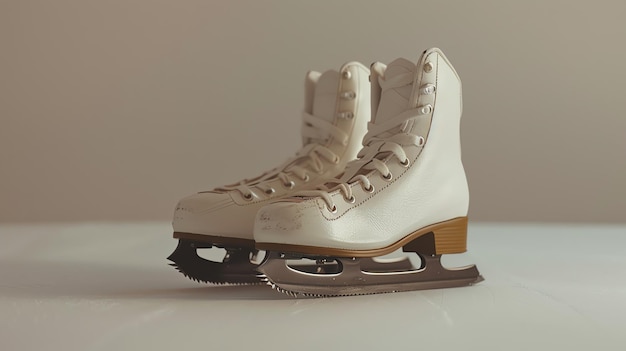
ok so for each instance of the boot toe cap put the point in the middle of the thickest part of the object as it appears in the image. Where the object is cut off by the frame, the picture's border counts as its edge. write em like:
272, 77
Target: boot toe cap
288, 222
208, 213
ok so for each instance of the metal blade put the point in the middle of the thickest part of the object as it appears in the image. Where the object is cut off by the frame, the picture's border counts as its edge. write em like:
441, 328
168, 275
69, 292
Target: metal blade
236, 267
354, 280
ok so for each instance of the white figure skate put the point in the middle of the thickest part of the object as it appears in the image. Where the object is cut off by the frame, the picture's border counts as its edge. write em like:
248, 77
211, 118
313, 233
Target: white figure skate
407, 190
336, 113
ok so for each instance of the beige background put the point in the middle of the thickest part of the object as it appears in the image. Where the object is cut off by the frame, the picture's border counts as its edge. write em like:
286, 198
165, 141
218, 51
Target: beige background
112, 110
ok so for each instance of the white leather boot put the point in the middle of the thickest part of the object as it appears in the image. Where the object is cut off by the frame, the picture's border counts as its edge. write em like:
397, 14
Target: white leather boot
336, 113
406, 190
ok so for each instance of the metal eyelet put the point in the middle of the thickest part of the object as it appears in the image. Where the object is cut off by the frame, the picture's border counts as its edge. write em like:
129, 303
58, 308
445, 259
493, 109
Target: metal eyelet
428, 67
351, 200
346, 75
247, 197
426, 109
421, 141
332, 210
387, 176
270, 191
370, 189
289, 185
348, 95
306, 178
346, 115
405, 163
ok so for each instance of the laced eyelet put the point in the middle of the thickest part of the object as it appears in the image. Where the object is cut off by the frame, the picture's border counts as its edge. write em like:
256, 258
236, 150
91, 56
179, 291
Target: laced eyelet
332, 210
370, 189
336, 160
306, 178
270, 191
428, 89
289, 185
405, 163
387, 176
351, 200
248, 197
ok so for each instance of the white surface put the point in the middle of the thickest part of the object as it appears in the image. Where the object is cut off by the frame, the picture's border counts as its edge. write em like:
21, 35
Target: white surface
108, 287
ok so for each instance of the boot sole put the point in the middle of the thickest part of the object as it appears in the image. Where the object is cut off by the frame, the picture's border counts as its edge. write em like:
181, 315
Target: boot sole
450, 237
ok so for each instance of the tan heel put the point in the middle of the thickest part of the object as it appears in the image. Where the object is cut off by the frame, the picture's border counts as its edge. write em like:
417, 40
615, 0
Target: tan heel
447, 237
451, 236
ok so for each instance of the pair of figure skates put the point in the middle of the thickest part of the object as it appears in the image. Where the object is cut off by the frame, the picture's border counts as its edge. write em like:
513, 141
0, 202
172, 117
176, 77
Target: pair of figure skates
357, 190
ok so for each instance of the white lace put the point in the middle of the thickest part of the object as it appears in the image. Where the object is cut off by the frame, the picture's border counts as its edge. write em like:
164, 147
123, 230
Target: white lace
317, 132
382, 143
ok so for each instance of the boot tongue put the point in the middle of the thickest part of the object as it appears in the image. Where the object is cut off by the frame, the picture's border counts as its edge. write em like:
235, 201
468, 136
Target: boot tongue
325, 95
395, 100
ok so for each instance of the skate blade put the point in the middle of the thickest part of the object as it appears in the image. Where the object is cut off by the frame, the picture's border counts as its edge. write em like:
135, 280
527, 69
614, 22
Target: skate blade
353, 276
396, 264
353, 279
235, 269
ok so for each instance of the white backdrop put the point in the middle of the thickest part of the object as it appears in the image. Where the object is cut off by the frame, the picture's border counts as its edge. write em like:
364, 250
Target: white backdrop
114, 110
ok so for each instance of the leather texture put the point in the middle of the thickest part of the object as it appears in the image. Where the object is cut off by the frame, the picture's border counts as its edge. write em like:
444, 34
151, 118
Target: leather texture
228, 213
432, 188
